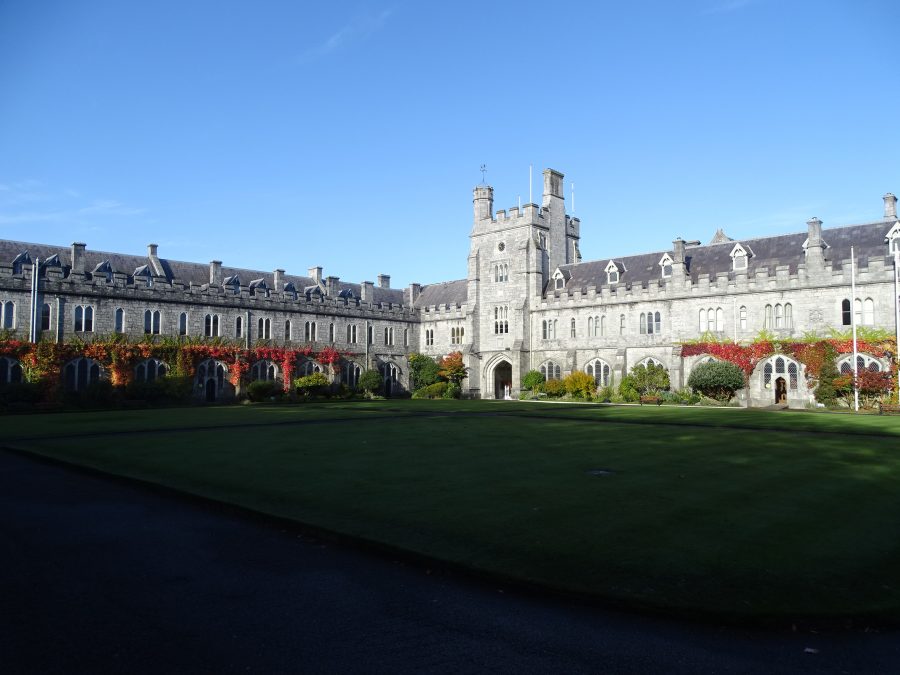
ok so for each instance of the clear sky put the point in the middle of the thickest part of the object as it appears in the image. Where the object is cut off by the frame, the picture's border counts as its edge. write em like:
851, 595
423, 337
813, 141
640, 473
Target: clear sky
350, 135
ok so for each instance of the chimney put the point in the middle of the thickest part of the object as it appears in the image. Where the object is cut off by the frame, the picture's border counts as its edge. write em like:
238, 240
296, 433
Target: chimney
384, 281
215, 272
78, 257
815, 247
152, 253
279, 280
678, 250
331, 286
151, 250
316, 274
414, 291
553, 185
367, 291
890, 207
483, 201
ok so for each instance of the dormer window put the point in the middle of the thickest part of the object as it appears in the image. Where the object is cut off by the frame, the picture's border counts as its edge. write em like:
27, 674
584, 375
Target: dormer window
612, 273
892, 238
739, 257
20, 261
560, 282
233, 283
665, 266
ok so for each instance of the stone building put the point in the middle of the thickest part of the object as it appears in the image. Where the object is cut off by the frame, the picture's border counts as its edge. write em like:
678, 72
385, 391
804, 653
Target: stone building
528, 300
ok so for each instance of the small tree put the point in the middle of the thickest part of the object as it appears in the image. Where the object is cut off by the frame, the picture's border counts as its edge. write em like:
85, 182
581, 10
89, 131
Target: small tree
533, 380
825, 391
311, 384
717, 379
452, 368
649, 380
579, 384
370, 381
424, 370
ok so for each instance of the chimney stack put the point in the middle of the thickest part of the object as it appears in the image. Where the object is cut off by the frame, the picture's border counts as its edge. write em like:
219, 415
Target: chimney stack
78, 257
553, 185
215, 272
367, 291
414, 291
279, 280
315, 274
384, 280
815, 247
890, 207
331, 286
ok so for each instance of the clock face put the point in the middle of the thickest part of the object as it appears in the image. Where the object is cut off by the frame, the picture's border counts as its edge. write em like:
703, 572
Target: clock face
501, 246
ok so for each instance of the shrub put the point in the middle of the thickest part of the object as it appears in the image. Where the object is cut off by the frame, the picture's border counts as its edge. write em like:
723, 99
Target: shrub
649, 380
435, 390
825, 391
370, 381
533, 380
309, 385
717, 379
604, 394
554, 388
579, 384
423, 369
453, 390
628, 393
263, 390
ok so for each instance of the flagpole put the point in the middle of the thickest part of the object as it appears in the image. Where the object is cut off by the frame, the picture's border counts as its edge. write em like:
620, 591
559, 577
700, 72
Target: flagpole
853, 300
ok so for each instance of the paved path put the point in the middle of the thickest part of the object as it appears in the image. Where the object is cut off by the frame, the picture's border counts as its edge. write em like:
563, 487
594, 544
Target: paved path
102, 576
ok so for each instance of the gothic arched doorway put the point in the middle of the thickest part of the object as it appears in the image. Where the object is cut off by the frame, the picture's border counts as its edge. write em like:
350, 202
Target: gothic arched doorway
780, 391
502, 379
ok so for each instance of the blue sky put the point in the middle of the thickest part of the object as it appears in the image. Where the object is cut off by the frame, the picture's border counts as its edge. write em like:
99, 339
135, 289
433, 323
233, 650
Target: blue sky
350, 135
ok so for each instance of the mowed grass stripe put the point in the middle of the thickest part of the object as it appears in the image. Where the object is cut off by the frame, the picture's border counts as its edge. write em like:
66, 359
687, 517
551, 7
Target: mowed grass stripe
694, 519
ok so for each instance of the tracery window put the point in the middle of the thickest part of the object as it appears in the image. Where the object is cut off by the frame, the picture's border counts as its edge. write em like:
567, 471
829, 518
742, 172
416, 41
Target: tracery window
456, 335
264, 370
151, 322
150, 370
10, 371
211, 325
780, 366
501, 320
84, 318
551, 371
351, 333
863, 362
80, 373
600, 371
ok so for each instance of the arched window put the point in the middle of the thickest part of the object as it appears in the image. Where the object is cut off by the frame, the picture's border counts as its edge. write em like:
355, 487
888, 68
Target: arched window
667, 270
572, 328
780, 366
287, 330
151, 322
351, 373
330, 332
742, 313
551, 371
857, 311
351, 333
650, 361
77, 322
788, 315
702, 320
264, 370
149, 370
779, 316
591, 326
603, 325
846, 318
600, 371
560, 282
264, 329
642, 324
212, 376
239, 327
88, 319
81, 373
84, 318
621, 324
720, 319
119, 323
868, 312
768, 317
10, 371
182, 323
711, 320
657, 322
863, 362
501, 320
406, 337
544, 330
429, 337
45, 316
310, 367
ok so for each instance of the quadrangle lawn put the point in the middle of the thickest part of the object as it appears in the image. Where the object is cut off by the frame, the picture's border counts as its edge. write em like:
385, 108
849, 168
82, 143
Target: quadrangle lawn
747, 515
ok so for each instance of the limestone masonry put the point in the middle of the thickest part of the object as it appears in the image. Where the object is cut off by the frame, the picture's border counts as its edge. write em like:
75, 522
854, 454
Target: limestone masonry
527, 302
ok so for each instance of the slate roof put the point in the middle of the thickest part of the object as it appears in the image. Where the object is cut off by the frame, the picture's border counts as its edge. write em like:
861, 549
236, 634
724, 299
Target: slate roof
175, 270
715, 259
451, 293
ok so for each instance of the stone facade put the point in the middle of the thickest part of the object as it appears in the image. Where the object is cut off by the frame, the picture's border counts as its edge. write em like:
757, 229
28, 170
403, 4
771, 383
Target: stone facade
528, 301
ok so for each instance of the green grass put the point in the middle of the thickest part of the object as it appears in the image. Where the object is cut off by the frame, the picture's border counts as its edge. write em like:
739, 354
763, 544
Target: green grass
741, 514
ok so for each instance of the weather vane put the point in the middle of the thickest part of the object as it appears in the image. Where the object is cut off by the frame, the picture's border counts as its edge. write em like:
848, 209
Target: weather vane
483, 171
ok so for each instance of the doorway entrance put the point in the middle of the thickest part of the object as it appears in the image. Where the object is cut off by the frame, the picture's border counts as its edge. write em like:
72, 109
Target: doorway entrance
502, 379
780, 391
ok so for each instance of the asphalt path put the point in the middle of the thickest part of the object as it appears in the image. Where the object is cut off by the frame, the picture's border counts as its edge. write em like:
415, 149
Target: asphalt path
104, 576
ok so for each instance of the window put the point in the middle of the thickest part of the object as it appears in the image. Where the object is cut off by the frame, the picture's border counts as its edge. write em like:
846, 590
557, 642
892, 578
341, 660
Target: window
742, 313
603, 325
590, 330
287, 330
863, 362
740, 261
388, 336
501, 272
846, 318
239, 327
548, 329
10, 371
310, 367
868, 312
330, 332
80, 373
667, 270
600, 371
703, 320
370, 335
351, 373
572, 327
551, 371
560, 282
309, 331
406, 337
45, 316
501, 320
119, 323
767, 322
650, 323
779, 367
211, 325
456, 335
612, 277
183, 323
642, 324
429, 337
788, 316
351, 334
84, 318
264, 329
621, 324
779, 316
264, 370
150, 370
151, 322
